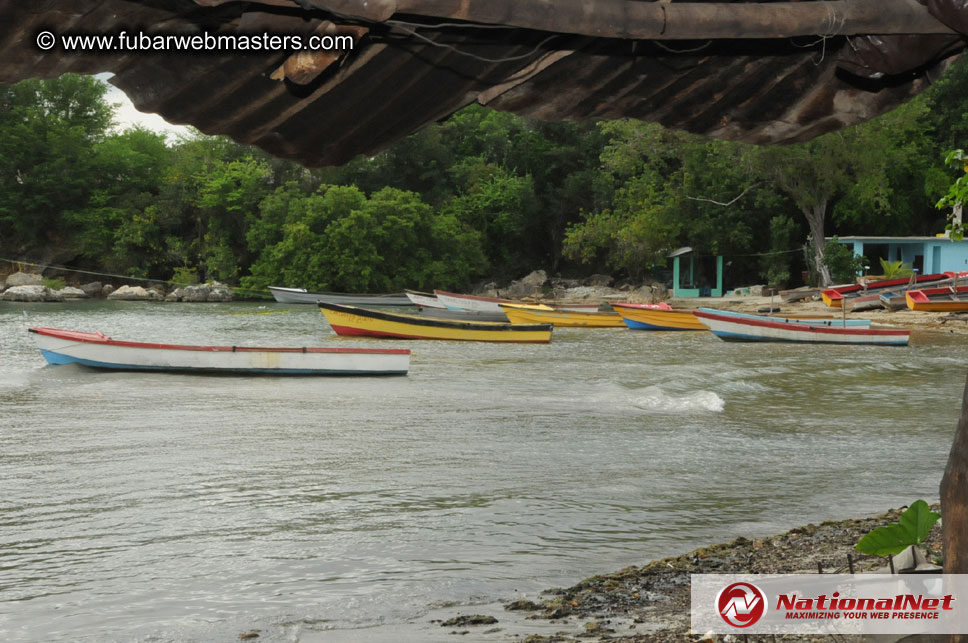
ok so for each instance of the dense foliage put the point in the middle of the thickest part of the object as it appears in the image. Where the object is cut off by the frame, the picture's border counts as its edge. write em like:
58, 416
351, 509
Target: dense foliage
484, 195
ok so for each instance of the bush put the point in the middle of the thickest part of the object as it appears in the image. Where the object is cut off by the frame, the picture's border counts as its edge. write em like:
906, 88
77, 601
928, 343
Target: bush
185, 275
55, 284
841, 261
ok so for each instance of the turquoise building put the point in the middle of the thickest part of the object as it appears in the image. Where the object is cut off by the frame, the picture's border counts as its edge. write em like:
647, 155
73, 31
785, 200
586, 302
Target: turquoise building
928, 255
696, 276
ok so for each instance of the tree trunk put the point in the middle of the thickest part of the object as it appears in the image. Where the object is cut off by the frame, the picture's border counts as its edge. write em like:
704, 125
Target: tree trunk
954, 503
815, 218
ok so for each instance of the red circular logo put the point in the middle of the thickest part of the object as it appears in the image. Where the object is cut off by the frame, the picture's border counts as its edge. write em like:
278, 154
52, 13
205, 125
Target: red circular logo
741, 604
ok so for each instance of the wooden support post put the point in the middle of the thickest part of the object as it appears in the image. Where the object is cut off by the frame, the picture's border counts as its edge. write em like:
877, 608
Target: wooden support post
954, 503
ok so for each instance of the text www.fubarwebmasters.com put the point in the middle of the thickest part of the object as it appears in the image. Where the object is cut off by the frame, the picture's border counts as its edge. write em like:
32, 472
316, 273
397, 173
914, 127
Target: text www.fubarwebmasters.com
205, 42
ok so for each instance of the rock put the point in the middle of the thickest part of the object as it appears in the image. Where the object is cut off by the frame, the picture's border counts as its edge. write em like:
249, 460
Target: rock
642, 295
528, 286
93, 289
537, 278
72, 293
31, 293
202, 292
134, 293
488, 290
598, 281
558, 282
24, 279
469, 619
210, 292
106, 290
522, 604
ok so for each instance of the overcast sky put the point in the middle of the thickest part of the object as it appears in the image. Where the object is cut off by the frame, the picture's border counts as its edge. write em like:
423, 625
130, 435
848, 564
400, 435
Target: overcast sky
127, 116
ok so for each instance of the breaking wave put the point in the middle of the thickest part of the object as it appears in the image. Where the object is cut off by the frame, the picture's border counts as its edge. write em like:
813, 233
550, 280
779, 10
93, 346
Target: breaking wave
654, 398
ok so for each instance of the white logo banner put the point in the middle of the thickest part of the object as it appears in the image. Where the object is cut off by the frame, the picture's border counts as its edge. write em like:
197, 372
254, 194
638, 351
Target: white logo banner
830, 603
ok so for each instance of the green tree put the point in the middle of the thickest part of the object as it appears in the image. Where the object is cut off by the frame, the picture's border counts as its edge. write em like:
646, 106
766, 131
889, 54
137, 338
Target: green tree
48, 132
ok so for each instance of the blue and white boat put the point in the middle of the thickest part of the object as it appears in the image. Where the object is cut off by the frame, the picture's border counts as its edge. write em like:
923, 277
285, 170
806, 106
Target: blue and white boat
100, 351
831, 322
750, 328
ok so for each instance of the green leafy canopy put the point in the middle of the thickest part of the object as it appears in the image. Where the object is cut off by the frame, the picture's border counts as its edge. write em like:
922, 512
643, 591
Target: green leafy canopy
912, 528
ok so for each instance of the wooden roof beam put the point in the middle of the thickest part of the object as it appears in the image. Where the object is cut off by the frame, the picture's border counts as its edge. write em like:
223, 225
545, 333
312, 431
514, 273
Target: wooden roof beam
634, 19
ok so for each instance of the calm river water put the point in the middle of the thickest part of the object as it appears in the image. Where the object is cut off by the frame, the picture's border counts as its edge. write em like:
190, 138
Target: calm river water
169, 508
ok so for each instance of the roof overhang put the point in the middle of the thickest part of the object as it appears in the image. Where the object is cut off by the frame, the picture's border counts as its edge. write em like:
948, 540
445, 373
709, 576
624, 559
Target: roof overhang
774, 72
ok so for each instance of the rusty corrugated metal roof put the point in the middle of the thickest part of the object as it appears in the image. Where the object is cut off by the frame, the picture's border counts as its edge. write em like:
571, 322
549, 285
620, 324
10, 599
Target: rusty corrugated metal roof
392, 83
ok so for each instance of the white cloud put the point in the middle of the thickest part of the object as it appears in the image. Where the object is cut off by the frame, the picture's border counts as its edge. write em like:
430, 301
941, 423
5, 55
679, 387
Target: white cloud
127, 116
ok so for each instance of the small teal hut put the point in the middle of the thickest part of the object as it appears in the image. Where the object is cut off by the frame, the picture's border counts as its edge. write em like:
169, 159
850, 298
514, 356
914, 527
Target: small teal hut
696, 276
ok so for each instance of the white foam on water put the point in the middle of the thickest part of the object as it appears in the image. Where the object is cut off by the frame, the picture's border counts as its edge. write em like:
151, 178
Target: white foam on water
653, 398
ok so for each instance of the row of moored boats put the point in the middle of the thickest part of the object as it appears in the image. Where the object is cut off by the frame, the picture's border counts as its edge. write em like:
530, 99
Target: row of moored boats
452, 316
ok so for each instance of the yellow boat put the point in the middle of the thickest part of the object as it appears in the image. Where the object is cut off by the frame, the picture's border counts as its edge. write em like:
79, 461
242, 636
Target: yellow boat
640, 317
350, 320
949, 299
525, 314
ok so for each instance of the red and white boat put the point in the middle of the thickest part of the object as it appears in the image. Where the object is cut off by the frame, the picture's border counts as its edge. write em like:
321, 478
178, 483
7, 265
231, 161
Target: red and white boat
455, 301
100, 351
746, 328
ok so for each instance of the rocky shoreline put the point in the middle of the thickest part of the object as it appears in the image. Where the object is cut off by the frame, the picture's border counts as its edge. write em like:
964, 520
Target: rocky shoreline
31, 287
651, 603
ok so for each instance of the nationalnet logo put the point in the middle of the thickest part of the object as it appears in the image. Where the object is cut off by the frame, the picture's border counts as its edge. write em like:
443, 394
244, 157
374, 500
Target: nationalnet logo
741, 604
830, 603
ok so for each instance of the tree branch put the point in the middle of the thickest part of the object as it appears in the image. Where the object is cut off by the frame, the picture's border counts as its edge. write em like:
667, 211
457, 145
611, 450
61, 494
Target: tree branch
728, 203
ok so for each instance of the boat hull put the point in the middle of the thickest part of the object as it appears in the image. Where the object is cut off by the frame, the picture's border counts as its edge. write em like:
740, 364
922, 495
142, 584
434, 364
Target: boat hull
951, 299
808, 321
834, 297
456, 301
349, 320
563, 318
737, 329
98, 351
637, 318
303, 296
423, 299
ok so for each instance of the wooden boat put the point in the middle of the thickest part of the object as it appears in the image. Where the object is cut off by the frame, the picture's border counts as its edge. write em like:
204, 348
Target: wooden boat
350, 320
303, 296
524, 314
798, 294
744, 329
808, 320
463, 315
834, 297
457, 301
893, 300
424, 299
100, 351
948, 299
657, 317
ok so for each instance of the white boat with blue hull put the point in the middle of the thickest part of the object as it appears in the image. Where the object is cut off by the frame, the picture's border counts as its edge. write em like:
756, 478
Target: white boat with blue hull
750, 328
97, 350
303, 296
831, 322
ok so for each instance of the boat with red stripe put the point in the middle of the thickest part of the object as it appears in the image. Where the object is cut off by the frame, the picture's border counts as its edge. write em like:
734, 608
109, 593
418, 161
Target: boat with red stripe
97, 350
746, 328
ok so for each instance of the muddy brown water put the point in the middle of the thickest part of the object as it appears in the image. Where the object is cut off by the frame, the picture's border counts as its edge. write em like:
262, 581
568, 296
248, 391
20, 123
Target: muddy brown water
168, 508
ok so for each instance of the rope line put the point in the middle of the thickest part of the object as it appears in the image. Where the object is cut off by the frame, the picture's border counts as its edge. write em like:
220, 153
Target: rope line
44, 266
